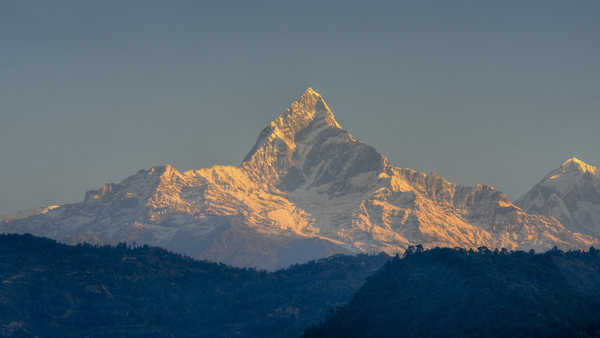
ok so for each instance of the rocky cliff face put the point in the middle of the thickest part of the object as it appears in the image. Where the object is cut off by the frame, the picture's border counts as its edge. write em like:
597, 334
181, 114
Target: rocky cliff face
306, 189
570, 193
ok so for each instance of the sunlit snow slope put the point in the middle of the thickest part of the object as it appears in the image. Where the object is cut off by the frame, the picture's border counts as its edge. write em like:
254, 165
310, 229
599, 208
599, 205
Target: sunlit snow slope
570, 193
306, 189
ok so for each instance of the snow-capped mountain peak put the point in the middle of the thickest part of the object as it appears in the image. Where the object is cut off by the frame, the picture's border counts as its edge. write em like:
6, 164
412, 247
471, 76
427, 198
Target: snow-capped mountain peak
573, 166
306, 145
310, 111
311, 102
571, 193
306, 189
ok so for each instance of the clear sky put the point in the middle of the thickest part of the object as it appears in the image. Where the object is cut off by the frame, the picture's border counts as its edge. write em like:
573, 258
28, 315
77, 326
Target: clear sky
491, 92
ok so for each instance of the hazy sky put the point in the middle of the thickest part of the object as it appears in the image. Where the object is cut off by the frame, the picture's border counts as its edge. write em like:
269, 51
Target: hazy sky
491, 92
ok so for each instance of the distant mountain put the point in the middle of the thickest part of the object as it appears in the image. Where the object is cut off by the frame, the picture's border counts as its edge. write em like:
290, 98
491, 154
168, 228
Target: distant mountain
9, 216
306, 189
570, 193
457, 293
54, 290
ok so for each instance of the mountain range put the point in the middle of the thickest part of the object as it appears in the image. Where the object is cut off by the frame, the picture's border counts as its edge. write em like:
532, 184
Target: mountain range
309, 189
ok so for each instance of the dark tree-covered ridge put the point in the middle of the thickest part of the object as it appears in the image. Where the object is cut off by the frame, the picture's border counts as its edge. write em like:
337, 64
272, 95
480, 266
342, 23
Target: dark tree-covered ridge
459, 293
49, 289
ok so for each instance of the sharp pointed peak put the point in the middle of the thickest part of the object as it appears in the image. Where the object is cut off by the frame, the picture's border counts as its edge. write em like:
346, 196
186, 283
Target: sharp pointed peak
572, 160
577, 163
311, 105
308, 111
573, 165
309, 91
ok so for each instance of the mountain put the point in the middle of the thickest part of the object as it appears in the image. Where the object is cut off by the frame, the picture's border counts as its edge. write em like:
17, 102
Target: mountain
306, 189
458, 293
26, 213
55, 290
570, 193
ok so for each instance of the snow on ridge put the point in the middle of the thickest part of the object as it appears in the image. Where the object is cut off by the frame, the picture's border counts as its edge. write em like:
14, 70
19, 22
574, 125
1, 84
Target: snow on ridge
305, 178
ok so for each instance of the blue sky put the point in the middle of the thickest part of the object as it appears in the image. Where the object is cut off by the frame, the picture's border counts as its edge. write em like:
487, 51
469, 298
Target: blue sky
483, 92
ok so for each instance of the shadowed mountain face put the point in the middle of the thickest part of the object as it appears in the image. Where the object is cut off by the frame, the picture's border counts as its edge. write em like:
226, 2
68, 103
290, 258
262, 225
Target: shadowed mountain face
306, 189
570, 193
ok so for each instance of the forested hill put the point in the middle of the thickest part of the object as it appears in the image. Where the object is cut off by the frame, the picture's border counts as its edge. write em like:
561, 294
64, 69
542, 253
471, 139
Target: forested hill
458, 293
54, 290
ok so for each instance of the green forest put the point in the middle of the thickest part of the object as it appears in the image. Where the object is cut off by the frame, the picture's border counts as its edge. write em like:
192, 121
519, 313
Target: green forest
49, 289
475, 293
